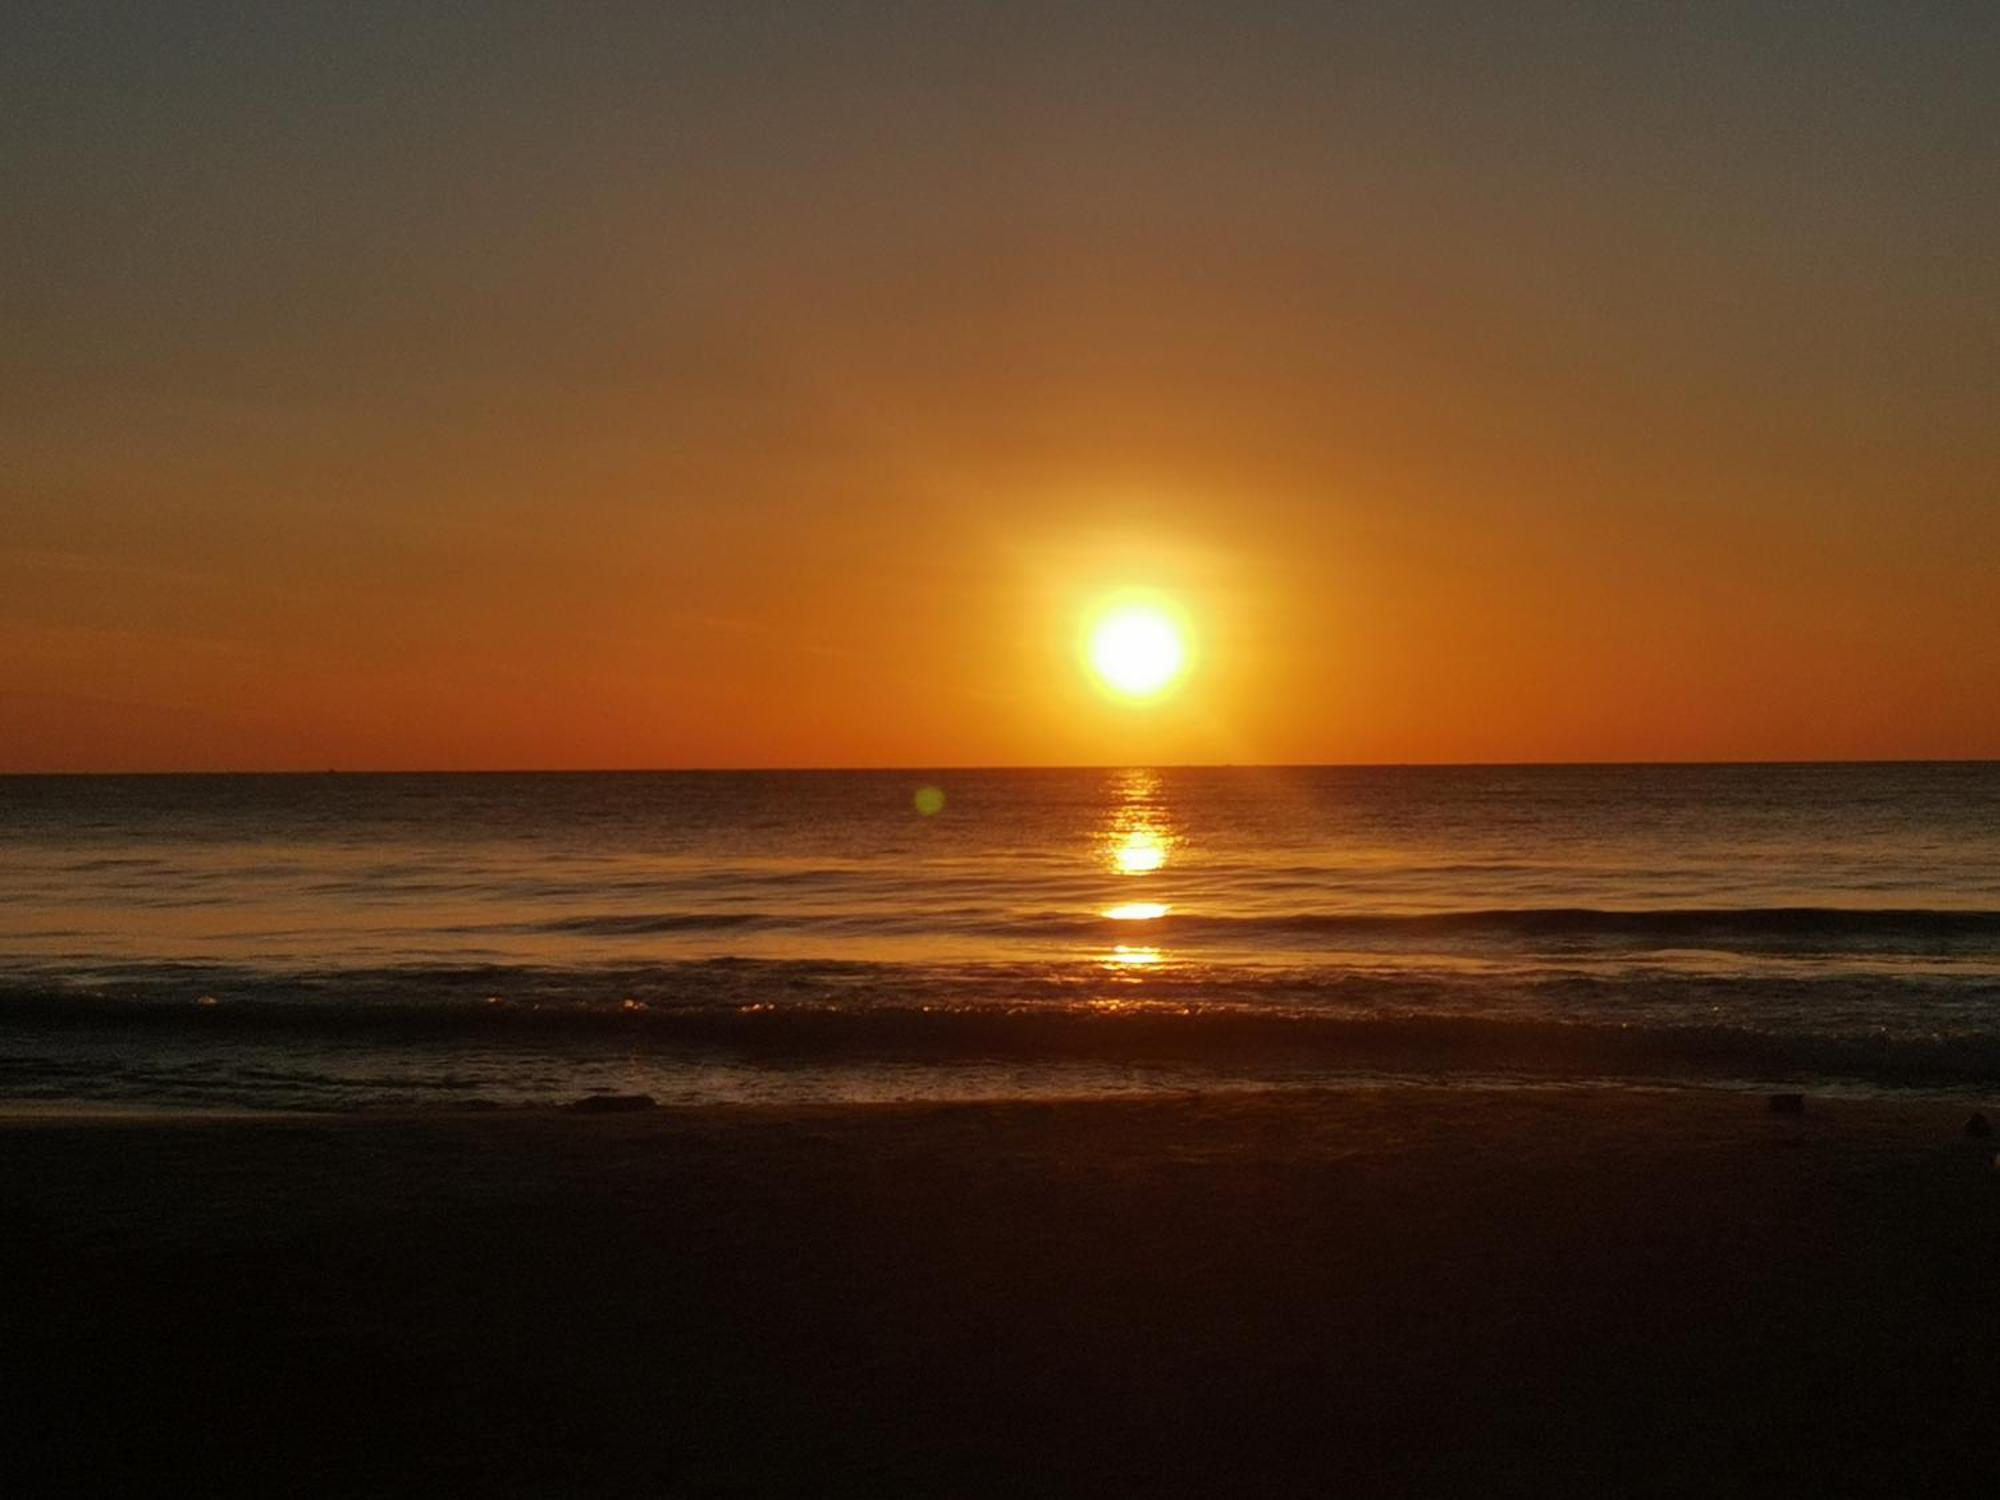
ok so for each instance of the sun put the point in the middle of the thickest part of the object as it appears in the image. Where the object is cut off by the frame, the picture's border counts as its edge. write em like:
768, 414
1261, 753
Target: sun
1137, 650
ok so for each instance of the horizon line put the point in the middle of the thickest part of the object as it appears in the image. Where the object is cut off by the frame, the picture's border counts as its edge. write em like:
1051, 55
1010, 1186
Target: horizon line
976, 767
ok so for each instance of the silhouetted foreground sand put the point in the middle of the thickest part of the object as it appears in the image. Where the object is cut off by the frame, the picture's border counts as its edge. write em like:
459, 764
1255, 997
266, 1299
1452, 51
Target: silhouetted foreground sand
1460, 1291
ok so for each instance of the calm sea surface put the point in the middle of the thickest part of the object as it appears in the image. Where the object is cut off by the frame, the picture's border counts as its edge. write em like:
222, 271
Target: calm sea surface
333, 941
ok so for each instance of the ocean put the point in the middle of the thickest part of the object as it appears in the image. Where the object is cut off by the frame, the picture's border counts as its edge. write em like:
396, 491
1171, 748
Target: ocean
489, 940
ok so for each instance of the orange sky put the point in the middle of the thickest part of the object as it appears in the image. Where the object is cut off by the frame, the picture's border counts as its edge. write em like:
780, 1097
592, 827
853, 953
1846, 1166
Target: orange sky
1572, 391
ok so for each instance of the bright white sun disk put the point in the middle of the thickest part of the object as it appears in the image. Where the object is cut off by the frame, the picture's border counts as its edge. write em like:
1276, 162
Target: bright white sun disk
1137, 651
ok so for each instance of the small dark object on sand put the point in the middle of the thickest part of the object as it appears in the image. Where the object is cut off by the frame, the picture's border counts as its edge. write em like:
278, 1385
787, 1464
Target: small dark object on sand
1978, 1126
613, 1104
1787, 1104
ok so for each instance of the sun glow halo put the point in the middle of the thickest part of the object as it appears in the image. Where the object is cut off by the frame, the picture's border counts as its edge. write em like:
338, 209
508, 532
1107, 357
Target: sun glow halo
1137, 651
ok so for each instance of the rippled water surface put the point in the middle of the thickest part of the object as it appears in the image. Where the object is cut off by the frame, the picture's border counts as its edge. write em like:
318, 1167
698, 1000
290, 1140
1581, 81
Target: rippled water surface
332, 940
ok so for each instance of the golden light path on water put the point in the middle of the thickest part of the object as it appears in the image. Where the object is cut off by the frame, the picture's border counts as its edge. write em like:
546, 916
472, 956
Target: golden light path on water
1136, 841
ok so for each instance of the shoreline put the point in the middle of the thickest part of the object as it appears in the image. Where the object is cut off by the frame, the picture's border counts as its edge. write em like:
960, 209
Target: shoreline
1844, 1095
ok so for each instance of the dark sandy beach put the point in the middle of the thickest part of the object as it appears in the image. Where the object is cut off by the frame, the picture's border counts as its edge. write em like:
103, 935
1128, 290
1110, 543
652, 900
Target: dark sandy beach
1391, 1291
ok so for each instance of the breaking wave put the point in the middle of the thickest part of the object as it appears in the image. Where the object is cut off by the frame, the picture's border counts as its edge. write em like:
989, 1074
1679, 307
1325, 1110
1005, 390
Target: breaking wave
1244, 1023
1751, 929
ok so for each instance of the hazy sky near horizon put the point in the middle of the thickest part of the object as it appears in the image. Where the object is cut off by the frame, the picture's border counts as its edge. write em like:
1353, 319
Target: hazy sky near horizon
749, 384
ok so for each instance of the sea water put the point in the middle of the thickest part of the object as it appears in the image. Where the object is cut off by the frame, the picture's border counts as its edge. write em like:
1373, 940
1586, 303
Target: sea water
326, 941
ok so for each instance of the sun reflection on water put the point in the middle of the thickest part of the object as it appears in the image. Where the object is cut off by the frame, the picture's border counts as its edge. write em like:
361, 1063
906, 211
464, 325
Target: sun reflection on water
1125, 956
1139, 852
1136, 840
1137, 911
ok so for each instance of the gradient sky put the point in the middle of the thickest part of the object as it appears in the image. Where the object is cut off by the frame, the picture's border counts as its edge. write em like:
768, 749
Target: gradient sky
742, 384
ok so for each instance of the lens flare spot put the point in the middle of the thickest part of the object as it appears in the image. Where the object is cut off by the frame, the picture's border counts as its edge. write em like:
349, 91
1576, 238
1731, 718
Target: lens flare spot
929, 800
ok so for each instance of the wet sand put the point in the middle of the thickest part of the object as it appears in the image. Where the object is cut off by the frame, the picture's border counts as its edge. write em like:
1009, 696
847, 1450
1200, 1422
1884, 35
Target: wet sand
1418, 1290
